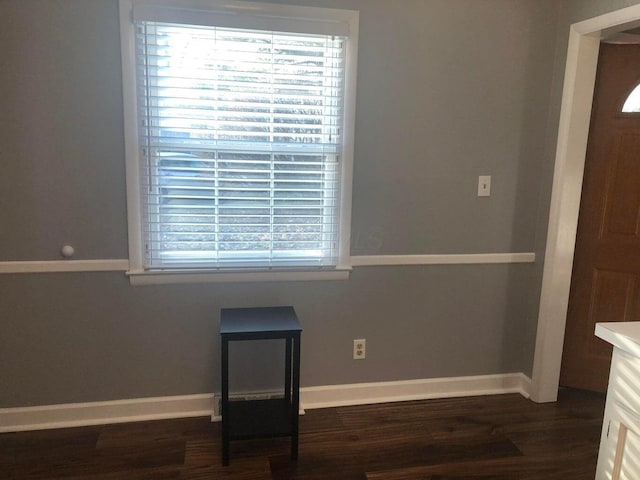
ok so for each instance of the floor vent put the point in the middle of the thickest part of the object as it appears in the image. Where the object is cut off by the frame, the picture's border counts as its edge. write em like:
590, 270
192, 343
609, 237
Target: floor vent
235, 397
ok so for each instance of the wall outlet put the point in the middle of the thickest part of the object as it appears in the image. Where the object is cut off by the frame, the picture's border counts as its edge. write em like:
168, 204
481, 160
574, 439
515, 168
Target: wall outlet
359, 349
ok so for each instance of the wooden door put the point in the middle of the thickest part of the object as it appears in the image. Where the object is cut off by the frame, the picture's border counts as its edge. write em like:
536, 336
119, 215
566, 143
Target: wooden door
605, 284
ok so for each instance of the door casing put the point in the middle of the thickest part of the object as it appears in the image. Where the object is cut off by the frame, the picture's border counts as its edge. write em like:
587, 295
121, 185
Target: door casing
573, 131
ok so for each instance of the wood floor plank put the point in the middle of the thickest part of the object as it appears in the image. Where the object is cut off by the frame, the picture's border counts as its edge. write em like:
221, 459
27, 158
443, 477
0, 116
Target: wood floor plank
321, 420
503, 437
162, 473
520, 468
405, 412
358, 454
64, 461
137, 433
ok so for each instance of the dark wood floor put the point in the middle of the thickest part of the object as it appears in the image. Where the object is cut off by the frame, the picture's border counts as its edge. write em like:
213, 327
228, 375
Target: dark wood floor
494, 437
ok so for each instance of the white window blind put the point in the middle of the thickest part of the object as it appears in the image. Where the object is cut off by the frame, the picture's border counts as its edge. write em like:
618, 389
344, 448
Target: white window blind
239, 145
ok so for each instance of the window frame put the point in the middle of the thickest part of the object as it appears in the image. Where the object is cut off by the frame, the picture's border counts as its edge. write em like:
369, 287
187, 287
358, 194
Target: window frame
275, 14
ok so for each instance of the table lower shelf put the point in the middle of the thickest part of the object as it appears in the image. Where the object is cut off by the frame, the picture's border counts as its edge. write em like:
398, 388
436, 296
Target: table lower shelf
259, 418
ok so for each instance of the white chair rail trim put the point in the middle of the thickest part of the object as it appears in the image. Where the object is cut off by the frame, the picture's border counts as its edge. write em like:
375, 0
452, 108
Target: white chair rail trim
54, 266
122, 265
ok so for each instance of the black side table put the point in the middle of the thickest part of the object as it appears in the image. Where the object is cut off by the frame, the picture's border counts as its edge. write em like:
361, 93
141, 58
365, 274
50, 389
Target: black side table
261, 418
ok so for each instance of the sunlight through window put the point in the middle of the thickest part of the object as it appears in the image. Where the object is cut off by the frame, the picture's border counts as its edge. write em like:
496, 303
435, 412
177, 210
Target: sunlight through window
632, 103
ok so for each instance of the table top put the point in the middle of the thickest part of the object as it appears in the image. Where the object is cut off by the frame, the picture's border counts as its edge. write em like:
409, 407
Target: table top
258, 320
622, 335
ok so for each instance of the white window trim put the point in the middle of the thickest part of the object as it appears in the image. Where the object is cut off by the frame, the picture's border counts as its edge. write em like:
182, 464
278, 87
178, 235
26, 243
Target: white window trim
137, 274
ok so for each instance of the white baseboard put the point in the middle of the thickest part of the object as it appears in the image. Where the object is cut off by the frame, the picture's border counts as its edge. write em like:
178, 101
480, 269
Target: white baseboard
406, 390
100, 413
161, 408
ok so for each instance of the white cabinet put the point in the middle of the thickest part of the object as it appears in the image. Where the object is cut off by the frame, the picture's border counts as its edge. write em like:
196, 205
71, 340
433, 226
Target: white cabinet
619, 455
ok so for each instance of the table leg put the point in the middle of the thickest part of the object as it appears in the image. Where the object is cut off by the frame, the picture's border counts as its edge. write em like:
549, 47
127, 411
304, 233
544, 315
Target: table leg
224, 407
287, 370
295, 407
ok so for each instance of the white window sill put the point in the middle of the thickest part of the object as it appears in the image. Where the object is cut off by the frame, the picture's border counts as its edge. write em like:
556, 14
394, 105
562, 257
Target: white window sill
143, 277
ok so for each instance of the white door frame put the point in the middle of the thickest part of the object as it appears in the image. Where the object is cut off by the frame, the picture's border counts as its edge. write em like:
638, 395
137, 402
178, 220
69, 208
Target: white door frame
575, 115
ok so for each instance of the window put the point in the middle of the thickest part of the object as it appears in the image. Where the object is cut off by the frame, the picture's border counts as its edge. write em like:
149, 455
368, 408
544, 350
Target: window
238, 118
632, 103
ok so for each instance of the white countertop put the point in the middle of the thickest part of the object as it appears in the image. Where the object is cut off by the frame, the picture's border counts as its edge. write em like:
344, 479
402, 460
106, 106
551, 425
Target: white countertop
622, 335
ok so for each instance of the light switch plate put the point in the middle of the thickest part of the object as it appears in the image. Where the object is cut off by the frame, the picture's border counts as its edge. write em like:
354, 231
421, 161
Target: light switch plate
484, 186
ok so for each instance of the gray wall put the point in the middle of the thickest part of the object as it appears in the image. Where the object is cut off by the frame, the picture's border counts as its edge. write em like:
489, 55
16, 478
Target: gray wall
84, 337
447, 90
